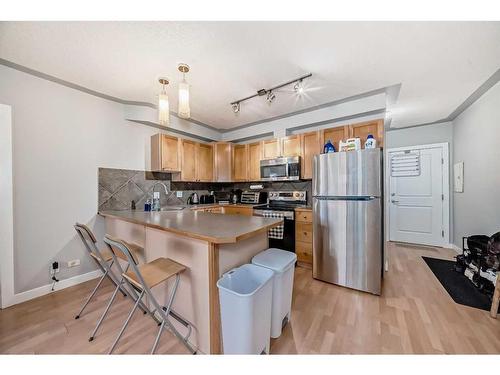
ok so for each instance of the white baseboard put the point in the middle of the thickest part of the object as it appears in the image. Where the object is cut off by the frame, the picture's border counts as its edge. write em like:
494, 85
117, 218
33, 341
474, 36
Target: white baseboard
46, 289
453, 247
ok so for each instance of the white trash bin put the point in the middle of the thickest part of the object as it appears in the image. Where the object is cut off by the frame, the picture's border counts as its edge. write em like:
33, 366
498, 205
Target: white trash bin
282, 263
245, 295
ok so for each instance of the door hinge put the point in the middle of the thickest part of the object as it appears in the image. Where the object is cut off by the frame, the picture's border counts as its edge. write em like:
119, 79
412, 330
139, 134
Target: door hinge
442, 161
442, 197
442, 233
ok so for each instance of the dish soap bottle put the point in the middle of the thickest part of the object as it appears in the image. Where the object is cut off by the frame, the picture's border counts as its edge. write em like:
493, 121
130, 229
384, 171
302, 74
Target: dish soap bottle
156, 201
370, 142
329, 147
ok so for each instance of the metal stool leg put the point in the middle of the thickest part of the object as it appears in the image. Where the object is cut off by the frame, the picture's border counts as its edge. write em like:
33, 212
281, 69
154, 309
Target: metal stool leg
167, 311
165, 315
126, 323
158, 337
91, 338
91, 295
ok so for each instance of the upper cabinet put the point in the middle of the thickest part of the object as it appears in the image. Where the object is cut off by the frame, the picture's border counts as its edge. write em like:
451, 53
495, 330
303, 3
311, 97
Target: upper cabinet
204, 162
271, 148
165, 153
290, 146
363, 129
240, 162
188, 170
335, 135
227, 162
310, 146
223, 161
254, 158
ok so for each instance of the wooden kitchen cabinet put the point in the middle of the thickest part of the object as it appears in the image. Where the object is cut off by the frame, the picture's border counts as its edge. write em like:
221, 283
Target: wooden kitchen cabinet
223, 161
335, 135
235, 210
310, 146
362, 129
165, 153
204, 162
254, 157
271, 148
304, 237
188, 160
290, 146
240, 163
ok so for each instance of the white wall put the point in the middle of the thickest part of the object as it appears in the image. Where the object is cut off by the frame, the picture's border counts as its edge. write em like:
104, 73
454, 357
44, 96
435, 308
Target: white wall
60, 137
6, 209
476, 136
422, 135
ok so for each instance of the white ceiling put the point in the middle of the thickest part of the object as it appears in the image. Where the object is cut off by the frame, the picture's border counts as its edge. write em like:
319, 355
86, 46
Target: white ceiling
439, 64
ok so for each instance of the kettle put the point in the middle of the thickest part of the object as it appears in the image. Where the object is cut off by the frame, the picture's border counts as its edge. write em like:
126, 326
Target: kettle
193, 199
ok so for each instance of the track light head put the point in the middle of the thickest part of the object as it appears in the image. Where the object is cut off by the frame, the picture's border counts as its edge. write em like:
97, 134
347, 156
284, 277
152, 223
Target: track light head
236, 107
299, 89
270, 97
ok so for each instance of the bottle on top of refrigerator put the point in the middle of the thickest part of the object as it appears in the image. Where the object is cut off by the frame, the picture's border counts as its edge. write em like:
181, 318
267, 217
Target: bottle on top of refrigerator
370, 142
329, 147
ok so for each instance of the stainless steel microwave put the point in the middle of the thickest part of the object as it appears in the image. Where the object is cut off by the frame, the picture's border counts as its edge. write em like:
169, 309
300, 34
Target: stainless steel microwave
280, 169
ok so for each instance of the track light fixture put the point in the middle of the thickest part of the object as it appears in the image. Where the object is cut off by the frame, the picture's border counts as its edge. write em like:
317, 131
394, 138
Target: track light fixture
270, 95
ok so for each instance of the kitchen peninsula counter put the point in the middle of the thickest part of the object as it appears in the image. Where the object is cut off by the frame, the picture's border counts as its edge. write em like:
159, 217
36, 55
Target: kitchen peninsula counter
208, 244
205, 226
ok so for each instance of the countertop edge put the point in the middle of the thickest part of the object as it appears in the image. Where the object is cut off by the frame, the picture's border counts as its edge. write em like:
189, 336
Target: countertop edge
221, 240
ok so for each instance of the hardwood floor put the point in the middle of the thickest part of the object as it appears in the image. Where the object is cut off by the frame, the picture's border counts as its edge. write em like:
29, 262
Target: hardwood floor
414, 315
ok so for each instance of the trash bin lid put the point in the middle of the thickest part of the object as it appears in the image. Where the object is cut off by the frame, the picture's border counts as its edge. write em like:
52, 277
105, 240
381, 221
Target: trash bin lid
245, 280
276, 259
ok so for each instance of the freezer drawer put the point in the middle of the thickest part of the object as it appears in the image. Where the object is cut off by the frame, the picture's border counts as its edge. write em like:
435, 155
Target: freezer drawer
353, 173
347, 243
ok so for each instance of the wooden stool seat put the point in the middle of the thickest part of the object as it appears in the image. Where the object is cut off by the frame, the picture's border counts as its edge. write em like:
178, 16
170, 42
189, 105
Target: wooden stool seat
155, 272
106, 255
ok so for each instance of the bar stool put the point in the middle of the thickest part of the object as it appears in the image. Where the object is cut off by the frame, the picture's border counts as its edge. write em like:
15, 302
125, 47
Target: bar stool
145, 276
102, 258
123, 283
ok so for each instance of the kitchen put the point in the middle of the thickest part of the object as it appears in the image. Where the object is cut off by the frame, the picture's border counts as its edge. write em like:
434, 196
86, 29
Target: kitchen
159, 188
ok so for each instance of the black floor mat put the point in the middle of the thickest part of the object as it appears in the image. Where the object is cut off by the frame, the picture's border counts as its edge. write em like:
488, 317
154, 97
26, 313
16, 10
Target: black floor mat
458, 286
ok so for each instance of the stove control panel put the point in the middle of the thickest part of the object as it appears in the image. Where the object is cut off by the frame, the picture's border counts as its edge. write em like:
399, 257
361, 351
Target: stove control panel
287, 196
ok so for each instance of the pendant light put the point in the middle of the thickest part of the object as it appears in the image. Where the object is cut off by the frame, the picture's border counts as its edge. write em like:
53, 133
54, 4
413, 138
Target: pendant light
184, 111
163, 106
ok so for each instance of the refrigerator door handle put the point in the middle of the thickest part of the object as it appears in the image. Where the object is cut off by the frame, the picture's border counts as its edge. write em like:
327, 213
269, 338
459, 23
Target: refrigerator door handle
347, 198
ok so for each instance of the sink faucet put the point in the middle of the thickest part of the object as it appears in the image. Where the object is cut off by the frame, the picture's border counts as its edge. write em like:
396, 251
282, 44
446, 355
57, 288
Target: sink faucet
156, 197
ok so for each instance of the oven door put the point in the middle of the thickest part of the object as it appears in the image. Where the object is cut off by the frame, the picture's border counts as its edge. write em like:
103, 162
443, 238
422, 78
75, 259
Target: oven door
288, 241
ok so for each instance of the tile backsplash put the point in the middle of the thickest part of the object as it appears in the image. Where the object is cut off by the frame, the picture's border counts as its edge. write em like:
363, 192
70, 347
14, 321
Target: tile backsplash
118, 187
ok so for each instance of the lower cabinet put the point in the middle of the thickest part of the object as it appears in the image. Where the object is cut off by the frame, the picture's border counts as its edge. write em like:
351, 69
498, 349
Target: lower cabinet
303, 237
232, 210
214, 210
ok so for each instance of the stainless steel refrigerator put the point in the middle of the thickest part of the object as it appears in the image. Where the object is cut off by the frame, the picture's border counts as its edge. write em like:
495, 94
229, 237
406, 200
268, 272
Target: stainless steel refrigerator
347, 219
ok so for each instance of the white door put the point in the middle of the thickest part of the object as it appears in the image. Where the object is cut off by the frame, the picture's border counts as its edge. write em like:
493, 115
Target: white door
418, 194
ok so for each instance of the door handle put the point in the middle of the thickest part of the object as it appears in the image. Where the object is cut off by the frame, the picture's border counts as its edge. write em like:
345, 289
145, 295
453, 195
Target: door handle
394, 201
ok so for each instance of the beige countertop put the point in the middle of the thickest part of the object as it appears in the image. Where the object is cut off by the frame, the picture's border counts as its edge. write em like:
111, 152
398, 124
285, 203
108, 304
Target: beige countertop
215, 228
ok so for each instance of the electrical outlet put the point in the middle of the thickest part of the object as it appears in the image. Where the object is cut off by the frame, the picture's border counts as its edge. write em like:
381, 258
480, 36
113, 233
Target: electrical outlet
73, 263
179, 194
54, 268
